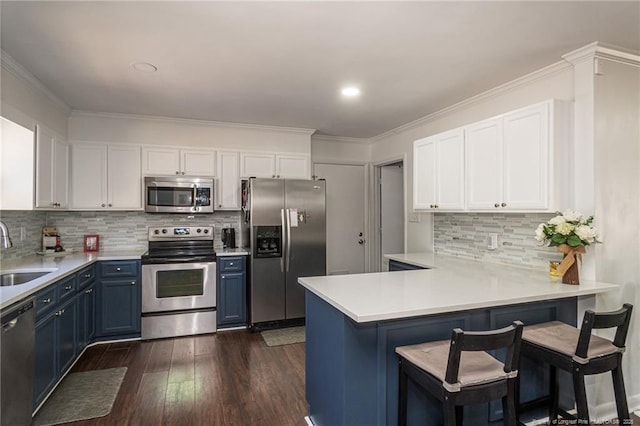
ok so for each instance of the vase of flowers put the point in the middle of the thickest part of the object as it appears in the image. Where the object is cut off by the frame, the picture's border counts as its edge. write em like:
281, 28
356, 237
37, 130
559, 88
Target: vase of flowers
570, 232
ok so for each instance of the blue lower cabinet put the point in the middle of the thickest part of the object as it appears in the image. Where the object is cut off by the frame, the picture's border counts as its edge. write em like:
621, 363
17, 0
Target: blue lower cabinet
119, 299
67, 326
45, 359
394, 265
231, 292
86, 315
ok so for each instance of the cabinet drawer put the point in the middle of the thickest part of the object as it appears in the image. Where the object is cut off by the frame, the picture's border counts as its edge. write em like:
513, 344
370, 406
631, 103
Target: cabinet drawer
86, 276
116, 269
231, 264
67, 287
46, 300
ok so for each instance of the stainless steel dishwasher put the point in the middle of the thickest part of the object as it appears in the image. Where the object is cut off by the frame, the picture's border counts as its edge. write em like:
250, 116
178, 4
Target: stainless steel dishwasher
17, 344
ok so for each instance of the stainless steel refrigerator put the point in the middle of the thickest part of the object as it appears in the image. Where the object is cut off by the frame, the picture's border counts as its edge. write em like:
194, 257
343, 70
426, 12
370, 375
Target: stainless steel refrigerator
286, 223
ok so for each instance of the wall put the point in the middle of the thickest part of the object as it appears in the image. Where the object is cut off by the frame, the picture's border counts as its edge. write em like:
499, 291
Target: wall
333, 150
181, 132
617, 202
465, 235
555, 81
26, 102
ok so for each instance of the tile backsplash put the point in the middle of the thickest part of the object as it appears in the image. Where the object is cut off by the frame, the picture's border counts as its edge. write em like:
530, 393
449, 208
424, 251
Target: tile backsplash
117, 229
466, 235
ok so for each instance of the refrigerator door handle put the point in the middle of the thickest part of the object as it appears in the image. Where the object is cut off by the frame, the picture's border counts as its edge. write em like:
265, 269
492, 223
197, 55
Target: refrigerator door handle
288, 218
284, 236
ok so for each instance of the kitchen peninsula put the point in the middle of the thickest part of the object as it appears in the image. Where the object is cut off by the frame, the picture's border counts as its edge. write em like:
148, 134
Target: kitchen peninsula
354, 323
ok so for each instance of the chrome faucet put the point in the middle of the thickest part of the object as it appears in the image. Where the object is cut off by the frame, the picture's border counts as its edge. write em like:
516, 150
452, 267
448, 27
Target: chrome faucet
5, 239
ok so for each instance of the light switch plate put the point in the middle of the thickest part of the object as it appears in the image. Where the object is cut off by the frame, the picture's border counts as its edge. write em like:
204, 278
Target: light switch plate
414, 217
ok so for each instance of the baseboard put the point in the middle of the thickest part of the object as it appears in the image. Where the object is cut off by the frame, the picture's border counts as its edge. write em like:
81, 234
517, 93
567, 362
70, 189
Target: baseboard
607, 411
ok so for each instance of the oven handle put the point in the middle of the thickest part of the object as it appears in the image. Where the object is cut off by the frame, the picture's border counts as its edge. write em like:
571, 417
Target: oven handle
283, 236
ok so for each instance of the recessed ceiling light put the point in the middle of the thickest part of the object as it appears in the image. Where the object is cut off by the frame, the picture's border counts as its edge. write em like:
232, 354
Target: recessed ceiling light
144, 67
350, 91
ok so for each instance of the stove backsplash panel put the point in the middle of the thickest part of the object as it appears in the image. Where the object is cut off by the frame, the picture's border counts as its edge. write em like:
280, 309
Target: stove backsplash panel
124, 230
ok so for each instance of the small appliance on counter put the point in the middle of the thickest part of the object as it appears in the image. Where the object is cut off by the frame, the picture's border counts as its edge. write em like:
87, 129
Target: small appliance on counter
51, 242
228, 238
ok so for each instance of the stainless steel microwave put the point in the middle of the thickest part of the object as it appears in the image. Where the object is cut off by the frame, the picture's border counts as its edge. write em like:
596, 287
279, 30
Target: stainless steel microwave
169, 194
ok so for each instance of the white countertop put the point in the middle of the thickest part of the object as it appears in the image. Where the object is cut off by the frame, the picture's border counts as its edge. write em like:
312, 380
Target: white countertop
232, 252
452, 285
61, 266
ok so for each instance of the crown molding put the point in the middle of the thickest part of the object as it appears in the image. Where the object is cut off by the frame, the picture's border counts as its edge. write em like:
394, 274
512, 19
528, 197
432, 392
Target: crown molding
602, 51
191, 121
341, 139
491, 93
12, 66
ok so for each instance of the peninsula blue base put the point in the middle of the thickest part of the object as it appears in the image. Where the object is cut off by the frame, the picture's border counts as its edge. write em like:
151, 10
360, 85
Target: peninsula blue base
352, 368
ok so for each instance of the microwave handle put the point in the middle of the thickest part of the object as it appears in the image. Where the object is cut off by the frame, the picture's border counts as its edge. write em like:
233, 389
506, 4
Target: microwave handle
195, 197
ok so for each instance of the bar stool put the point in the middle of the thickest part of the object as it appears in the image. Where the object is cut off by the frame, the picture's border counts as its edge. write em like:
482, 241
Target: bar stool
459, 372
580, 353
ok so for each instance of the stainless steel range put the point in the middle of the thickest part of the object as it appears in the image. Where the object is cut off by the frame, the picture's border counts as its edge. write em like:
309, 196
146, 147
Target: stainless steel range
179, 282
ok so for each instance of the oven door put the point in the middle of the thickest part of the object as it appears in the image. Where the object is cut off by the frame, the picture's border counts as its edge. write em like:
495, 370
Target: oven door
178, 286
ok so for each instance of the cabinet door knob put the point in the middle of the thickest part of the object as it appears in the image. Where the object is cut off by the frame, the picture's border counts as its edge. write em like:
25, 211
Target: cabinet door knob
69, 287
273, 176
222, 276
177, 172
47, 300
109, 204
496, 205
104, 205
230, 263
133, 283
278, 176
58, 313
183, 173
89, 291
118, 269
87, 275
219, 205
504, 204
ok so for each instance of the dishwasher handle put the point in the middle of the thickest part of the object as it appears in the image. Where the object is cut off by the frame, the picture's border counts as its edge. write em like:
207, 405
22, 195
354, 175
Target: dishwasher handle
10, 319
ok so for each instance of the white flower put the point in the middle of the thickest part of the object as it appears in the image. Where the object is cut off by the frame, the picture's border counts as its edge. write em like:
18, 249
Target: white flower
564, 228
557, 220
586, 233
571, 216
540, 232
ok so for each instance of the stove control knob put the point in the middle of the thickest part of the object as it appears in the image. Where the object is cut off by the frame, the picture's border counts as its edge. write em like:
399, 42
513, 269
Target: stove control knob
156, 231
199, 230
164, 231
206, 231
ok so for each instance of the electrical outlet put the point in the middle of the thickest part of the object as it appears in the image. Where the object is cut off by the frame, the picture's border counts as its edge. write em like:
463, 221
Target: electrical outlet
414, 217
493, 242
23, 233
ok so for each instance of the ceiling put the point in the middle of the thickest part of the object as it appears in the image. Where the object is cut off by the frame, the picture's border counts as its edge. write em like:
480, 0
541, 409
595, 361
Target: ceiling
283, 63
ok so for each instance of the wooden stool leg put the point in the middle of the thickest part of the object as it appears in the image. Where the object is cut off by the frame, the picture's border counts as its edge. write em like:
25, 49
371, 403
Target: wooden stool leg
581, 396
402, 399
553, 394
449, 411
509, 404
621, 395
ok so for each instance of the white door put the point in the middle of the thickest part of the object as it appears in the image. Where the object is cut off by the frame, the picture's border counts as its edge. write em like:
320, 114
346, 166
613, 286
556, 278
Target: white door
292, 166
228, 186
257, 165
450, 167
198, 162
424, 174
391, 211
483, 154
345, 217
88, 176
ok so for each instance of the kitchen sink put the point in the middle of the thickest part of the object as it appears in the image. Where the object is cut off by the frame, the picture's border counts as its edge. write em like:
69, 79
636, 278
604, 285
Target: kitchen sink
22, 277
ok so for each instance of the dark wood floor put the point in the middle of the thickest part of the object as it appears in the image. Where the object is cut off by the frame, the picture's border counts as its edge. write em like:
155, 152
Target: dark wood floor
228, 378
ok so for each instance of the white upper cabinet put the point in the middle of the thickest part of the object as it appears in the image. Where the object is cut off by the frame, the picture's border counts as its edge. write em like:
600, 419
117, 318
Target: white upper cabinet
159, 161
105, 177
52, 170
484, 164
264, 165
257, 165
438, 170
292, 166
16, 166
518, 161
228, 186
